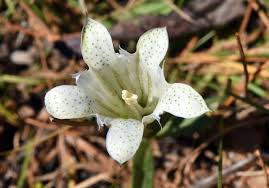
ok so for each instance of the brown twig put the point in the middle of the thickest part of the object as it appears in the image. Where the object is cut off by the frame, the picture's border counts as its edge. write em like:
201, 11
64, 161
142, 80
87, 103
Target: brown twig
42, 55
93, 180
243, 60
71, 123
257, 72
250, 173
39, 124
260, 12
258, 154
190, 159
190, 45
180, 12
91, 150
246, 18
41, 140
37, 24
212, 180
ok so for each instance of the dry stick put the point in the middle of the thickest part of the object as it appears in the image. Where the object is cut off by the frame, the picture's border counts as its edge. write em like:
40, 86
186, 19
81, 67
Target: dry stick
93, 180
250, 173
48, 176
190, 159
246, 18
180, 12
71, 123
37, 142
243, 60
260, 12
40, 124
212, 180
253, 36
55, 123
42, 55
258, 154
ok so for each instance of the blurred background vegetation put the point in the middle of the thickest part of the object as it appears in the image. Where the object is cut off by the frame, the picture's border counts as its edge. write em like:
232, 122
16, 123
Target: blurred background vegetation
220, 47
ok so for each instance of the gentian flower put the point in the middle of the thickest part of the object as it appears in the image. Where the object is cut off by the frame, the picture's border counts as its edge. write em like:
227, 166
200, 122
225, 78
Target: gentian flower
124, 91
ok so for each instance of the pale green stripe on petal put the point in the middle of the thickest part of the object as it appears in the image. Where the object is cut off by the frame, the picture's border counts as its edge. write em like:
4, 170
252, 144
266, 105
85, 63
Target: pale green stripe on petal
107, 102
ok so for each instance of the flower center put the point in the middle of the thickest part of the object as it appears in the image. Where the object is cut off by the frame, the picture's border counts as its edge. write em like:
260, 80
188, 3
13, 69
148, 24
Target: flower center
129, 97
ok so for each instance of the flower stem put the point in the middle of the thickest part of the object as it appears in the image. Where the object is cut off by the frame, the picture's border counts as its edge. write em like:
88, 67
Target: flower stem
143, 166
220, 154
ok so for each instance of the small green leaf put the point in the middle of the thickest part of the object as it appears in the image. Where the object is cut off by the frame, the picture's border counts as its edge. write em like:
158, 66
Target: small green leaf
10, 7
38, 185
202, 84
184, 127
181, 3
153, 8
253, 87
203, 40
9, 116
73, 3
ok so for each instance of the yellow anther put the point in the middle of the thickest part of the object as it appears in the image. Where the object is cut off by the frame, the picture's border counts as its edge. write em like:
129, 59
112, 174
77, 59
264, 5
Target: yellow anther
129, 97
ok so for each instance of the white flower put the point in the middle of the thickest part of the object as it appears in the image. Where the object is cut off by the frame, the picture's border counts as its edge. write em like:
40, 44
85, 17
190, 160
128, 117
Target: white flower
122, 90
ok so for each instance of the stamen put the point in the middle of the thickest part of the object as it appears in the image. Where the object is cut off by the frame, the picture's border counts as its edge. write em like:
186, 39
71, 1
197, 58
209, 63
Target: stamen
129, 97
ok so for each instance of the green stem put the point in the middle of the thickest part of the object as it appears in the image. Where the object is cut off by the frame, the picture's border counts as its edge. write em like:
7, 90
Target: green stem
220, 154
10, 117
143, 166
25, 164
19, 79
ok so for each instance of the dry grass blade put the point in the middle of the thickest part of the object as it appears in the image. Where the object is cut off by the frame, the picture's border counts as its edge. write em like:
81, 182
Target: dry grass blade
89, 149
243, 60
93, 180
261, 13
37, 24
190, 159
258, 154
246, 19
250, 173
70, 122
40, 124
179, 11
37, 142
212, 180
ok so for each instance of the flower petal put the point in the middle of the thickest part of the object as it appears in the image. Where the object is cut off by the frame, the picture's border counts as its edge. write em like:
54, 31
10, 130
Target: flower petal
123, 138
68, 102
152, 47
181, 100
96, 44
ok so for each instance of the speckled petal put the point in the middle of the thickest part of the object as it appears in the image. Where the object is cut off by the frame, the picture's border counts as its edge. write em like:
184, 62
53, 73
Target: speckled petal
152, 47
181, 100
96, 44
123, 138
68, 102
